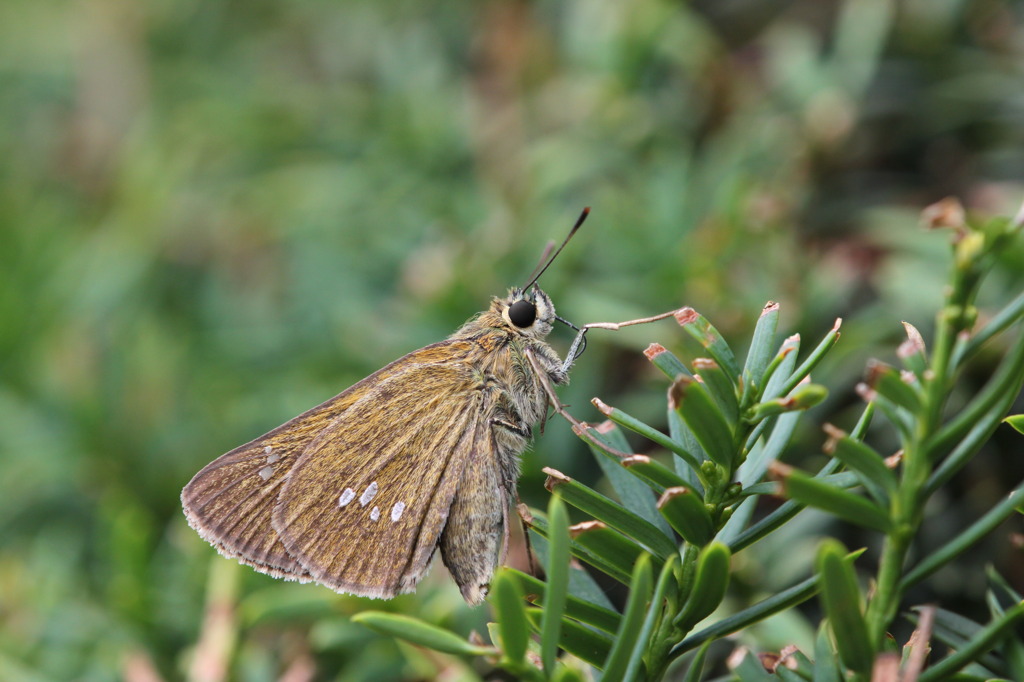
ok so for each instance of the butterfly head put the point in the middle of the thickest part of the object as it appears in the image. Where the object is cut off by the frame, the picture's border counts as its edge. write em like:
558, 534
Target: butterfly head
529, 312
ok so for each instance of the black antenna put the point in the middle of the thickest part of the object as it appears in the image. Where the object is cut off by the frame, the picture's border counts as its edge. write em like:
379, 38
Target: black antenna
579, 333
579, 221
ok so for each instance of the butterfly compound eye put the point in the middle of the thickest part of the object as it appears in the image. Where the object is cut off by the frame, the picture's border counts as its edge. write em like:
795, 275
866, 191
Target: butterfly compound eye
522, 313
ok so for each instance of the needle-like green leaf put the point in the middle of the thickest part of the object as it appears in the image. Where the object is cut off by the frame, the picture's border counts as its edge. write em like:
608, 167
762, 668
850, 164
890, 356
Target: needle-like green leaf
703, 417
634, 494
862, 459
686, 513
709, 584
652, 472
762, 348
557, 571
598, 506
614, 549
669, 364
1016, 421
507, 600
609, 558
578, 609
707, 336
653, 617
632, 620
717, 382
841, 599
826, 664
648, 432
981, 642
816, 356
419, 632
817, 493
582, 642
888, 382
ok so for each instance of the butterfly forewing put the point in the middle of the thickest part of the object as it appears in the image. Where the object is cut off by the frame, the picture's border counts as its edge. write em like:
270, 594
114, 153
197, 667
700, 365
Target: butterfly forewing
363, 508
230, 502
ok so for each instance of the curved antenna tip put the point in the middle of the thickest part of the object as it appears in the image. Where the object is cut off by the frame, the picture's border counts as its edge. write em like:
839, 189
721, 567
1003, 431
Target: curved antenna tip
540, 270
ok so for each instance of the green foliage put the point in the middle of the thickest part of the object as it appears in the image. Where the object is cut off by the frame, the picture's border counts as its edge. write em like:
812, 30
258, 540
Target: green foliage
886, 497
558, 583
418, 632
841, 598
511, 617
689, 592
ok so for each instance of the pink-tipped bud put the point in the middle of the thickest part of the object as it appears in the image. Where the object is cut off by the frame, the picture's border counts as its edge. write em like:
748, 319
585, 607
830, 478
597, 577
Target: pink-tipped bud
601, 407
555, 477
834, 434
585, 526
686, 315
654, 350
948, 212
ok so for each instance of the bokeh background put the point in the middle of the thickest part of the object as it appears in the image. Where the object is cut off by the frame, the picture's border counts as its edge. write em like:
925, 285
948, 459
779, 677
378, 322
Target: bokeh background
214, 215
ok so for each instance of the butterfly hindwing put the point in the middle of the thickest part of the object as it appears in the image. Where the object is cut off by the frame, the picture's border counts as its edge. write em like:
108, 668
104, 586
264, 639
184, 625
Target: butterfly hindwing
477, 528
363, 508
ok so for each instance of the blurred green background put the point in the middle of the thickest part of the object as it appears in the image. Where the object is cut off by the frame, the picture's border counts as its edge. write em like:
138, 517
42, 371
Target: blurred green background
214, 215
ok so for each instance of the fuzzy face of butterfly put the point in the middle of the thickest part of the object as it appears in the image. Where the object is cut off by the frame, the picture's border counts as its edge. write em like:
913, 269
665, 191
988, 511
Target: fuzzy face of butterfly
360, 492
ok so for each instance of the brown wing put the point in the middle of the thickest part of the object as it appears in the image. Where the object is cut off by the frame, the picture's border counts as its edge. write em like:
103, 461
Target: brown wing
363, 508
231, 500
477, 528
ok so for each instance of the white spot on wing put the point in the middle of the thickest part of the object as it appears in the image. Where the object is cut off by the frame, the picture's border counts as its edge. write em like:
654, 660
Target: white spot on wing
273, 458
375, 513
267, 450
368, 494
396, 511
266, 473
346, 497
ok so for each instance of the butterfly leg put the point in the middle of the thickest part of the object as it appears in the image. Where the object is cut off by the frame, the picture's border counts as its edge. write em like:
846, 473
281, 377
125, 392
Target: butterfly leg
526, 521
524, 431
574, 350
613, 326
581, 429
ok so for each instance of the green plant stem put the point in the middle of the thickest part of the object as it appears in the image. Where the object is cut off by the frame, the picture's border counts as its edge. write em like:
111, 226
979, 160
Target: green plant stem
908, 504
689, 562
657, 628
906, 511
883, 607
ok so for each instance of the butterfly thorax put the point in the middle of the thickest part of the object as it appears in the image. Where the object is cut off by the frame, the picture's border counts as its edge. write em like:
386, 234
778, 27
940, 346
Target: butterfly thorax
503, 339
